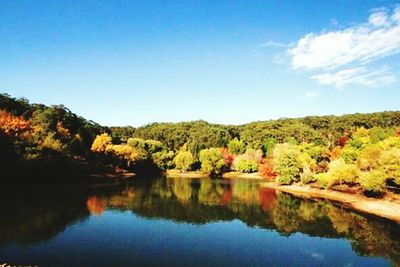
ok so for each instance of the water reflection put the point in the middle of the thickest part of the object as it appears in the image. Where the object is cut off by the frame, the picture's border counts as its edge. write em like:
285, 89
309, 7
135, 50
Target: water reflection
39, 214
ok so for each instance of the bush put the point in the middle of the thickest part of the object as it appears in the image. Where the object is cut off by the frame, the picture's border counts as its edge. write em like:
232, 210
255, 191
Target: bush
307, 176
350, 154
212, 160
339, 172
373, 181
241, 164
323, 179
369, 158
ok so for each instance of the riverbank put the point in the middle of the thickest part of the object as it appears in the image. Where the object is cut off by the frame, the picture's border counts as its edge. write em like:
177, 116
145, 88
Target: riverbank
378, 207
178, 174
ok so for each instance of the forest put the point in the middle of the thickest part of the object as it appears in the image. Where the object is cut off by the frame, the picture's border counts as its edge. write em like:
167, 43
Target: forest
357, 150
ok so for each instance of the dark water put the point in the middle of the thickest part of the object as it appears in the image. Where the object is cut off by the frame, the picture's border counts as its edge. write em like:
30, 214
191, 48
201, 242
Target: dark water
181, 222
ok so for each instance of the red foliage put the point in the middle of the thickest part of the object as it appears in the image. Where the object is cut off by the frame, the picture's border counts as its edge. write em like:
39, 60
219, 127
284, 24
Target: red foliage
226, 196
13, 125
342, 141
398, 131
228, 157
266, 169
267, 198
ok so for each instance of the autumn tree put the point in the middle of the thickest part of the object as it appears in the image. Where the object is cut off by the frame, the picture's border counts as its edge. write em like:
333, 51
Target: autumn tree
184, 160
101, 143
212, 160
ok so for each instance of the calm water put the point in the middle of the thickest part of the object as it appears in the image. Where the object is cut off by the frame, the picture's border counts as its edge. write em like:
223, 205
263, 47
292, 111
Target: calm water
181, 222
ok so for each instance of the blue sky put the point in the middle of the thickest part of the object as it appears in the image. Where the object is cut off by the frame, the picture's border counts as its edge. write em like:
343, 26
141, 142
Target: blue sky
232, 62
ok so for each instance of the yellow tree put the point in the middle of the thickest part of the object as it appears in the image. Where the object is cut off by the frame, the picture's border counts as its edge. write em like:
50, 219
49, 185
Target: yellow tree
101, 143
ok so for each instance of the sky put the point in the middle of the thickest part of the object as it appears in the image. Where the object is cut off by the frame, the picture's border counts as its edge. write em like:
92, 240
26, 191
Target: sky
231, 62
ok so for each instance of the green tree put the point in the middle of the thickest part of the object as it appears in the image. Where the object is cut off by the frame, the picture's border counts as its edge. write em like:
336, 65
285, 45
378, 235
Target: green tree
236, 146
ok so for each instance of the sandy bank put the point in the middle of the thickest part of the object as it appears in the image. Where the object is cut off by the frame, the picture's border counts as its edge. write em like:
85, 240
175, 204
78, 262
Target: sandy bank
240, 175
379, 207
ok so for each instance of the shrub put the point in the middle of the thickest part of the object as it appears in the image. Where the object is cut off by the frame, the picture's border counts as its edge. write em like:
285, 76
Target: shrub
323, 179
212, 160
390, 142
307, 175
241, 164
373, 181
339, 172
369, 158
350, 154
184, 160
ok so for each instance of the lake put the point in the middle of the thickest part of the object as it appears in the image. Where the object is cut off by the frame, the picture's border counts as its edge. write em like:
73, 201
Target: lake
186, 222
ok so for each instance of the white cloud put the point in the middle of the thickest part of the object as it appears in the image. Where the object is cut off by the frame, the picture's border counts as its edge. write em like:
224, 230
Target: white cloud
360, 75
347, 52
273, 43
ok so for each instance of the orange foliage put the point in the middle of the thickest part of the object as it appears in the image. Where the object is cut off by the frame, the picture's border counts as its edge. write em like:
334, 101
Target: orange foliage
13, 125
62, 130
335, 153
266, 169
267, 198
228, 157
226, 196
95, 205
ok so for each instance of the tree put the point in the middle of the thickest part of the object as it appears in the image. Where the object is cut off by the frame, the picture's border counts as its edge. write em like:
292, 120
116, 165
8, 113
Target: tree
340, 172
101, 143
289, 162
13, 125
164, 159
236, 146
369, 158
184, 160
390, 164
266, 169
212, 160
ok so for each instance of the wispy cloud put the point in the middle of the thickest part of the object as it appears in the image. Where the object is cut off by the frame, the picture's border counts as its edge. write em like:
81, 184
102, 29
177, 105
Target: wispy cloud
360, 75
274, 44
310, 94
343, 55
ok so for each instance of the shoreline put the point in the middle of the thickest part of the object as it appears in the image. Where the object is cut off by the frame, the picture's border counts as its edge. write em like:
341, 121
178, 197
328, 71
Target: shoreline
178, 174
240, 175
378, 207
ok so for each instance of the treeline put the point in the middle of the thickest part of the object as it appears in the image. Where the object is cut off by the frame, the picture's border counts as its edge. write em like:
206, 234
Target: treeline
36, 139
355, 150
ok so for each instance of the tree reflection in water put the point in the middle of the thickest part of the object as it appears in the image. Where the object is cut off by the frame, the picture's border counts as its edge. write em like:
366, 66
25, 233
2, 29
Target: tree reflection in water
40, 214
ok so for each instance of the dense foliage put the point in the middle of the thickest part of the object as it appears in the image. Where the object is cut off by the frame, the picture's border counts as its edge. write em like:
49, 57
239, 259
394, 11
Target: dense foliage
361, 150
